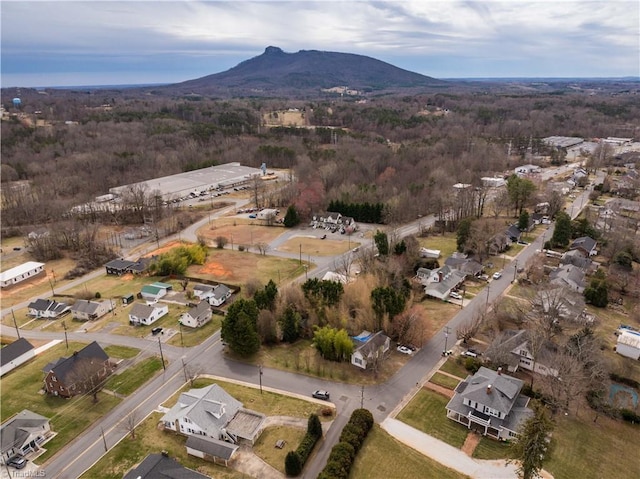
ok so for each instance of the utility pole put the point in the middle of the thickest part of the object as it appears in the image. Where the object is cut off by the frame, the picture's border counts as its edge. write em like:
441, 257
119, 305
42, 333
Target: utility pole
181, 339
300, 253
104, 440
184, 369
486, 306
260, 366
362, 397
515, 271
161, 355
15, 323
66, 341
447, 330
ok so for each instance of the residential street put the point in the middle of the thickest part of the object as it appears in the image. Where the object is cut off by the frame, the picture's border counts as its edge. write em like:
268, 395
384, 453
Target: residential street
208, 358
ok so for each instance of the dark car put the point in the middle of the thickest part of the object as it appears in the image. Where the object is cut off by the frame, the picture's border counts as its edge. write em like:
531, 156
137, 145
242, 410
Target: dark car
157, 330
17, 461
319, 394
323, 236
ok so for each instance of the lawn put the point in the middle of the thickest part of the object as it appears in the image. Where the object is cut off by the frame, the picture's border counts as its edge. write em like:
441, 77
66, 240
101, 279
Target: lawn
426, 412
447, 244
491, 449
382, 457
268, 403
588, 450
194, 336
69, 417
452, 366
121, 352
444, 381
265, 445
149, 440
132, 378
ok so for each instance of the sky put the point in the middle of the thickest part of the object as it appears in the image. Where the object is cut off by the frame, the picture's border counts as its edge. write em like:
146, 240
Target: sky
144, 42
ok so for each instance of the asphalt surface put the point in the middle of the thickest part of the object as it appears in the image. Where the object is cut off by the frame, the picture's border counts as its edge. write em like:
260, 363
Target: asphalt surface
208, 358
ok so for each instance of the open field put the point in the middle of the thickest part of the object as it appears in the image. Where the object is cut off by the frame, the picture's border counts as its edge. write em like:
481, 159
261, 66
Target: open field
265, 445
426, 412
132, 378
240, 231
69, 417
194, 336
121, 352
445, 243
383, 457
311, 245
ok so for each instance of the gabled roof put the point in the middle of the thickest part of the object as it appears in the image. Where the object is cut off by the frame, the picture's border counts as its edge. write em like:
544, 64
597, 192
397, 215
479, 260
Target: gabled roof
140, 310
203, 287
157, 466
84, 306
16, 430
65, 366
212, 447
121, 264
199, 309
513, 340
151, 289
372, 343
211, 408
14, 350
221, 291
570, 274
48, 305
19, 270
584, 242
504, 389
513, 232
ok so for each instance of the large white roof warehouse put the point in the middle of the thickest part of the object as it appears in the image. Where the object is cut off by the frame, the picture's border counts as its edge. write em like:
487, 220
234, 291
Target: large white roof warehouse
20, 273
195, 181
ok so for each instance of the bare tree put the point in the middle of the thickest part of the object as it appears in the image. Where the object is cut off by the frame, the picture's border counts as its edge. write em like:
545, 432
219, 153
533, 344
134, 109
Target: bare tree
468, 330
130, 423
88, 377
262, 248
221, 241
500, 203
408, 326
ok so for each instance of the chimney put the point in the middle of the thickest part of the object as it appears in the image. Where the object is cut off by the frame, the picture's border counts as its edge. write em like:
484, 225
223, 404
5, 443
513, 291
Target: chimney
489, 389
499, 371
439, 276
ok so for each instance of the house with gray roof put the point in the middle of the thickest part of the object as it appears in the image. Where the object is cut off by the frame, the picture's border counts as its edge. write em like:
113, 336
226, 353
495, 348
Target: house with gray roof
372, 347
47, 308
209, 449
84, 310
21, 273
586, 245
13, 355
197, 316
439, 282
146, 314
512, 349
212, 412
576, 258
161, 466
490, 403
219, 295
461, 262
23, 433
203, 291
570, 277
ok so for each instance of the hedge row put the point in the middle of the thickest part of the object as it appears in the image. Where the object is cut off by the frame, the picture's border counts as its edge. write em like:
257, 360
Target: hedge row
295, 460
351, 439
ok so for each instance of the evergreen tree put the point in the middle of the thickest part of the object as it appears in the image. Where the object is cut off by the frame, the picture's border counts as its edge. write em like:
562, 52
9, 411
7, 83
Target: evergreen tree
292, 464
290, 324
291, 218
239, 327
530, 447
523, 221
598, 291
382, 242
562, 232
463, 233
314, 427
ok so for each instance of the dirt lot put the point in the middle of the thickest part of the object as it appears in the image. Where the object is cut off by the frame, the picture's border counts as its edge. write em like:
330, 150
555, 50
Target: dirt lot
240, 231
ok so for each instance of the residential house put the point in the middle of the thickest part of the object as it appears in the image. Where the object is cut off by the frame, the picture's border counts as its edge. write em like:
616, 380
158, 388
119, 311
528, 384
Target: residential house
525, 170
628, 344
23, 433
220, 294
13, 355
79, 373
579, 176
461, 262
586, 245
203, 291
21, 273
334, 221
513, 233
197, 316
569, 276
84, 310
47, 308
429, 253
146, 314
369, 348
123, 266
267, 214
154, 291
576, 258
212, 412
422, 275
209, 449
490, 403
512, 349
563, 304
441, 281
336, 277
499, 243
161, 466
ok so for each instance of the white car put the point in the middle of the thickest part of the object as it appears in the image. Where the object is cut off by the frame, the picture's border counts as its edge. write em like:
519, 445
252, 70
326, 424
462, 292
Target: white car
497, 275
404, 350
455, 295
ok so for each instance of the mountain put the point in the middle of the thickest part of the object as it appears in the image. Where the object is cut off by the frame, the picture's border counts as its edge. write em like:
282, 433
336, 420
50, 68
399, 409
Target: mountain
276, 71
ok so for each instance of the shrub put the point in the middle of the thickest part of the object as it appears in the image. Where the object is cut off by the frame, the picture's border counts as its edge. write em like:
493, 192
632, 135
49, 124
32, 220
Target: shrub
472, 364
326, 412
306, 446
98, 295
313, 426
292, 464
630, 416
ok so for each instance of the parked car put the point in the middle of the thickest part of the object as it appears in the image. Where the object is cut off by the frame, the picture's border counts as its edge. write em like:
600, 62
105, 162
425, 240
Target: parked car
157, 330
455, 295
404, 350
320, 394
497, 275
323, 237
470, 353
252, 216
17, 462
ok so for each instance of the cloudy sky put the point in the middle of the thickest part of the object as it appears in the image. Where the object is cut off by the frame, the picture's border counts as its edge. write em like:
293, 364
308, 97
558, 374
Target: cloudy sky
113, 43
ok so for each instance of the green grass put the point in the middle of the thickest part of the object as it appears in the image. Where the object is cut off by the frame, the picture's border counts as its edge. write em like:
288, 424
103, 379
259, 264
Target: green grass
383, 457
491, 449
588, 450
447, 244
265, 445
194, 336
444, 381
452, 366
426, 412
149, 440
132, 378
121, 352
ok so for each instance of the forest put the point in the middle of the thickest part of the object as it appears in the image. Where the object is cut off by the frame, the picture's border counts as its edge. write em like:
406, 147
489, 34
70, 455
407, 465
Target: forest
65, 148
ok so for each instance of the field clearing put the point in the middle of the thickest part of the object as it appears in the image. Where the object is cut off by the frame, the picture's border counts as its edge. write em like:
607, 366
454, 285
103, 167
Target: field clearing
447, 244
311, 245
265, 445
383, 457
132, 378
240, 231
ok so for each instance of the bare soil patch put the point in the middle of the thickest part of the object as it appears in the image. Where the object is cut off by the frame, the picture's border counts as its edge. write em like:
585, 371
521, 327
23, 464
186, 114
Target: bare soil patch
167, 247
239, 232
470, 443
311, 245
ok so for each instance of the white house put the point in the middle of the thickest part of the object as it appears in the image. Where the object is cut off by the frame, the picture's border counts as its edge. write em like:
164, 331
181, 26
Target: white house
439, 283
267, 214
220, 294
20, 273
203, 291
23, 433
490, 402
47, 308
145, 314
429, 253
368, 348
15, 354
629, 344
197, 316
153, 292
511, 348
84, 310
